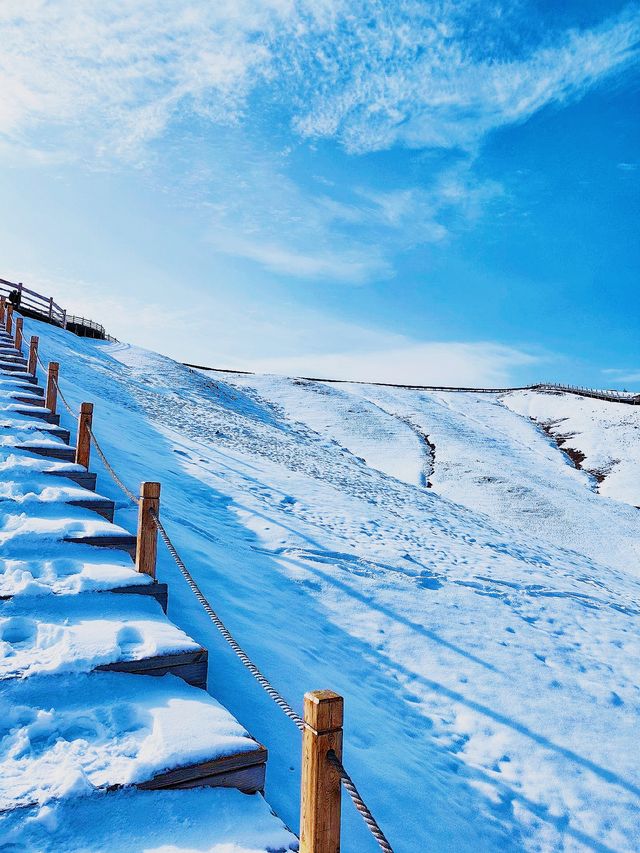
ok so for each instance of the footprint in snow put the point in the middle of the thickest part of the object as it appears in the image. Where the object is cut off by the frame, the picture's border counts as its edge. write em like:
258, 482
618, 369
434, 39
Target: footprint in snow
127, 638
17, 630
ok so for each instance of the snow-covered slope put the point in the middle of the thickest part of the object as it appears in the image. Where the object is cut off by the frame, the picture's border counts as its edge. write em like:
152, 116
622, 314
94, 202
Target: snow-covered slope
606, 436
488, 661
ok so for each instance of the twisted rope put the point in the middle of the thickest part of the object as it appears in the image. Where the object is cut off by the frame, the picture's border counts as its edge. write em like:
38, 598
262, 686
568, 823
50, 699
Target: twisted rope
262, 680
359, 803
134, 500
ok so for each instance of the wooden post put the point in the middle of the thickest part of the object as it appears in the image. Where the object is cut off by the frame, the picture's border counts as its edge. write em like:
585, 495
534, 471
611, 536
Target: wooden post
52, 390
18, 338
147, 545
83, 444
3, 305
320, 794
33, 355
50, 308
9, 322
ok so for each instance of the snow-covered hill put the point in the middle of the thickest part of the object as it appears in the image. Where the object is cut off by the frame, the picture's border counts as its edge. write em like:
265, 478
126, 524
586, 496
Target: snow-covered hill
433, 557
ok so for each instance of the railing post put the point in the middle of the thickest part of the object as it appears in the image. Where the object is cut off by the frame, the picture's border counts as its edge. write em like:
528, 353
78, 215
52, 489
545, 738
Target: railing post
18, 337
3, 305
9, 321
147, 544
64, 319
33, 355
52, 390
83, 444
320, 793
50, 307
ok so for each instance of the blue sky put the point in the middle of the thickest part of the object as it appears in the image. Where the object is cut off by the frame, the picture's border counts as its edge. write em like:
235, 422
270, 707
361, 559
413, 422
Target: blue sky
424, 192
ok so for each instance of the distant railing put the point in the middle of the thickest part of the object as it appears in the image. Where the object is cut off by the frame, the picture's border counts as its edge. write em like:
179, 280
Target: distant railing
35, 304
40, 307
610, 394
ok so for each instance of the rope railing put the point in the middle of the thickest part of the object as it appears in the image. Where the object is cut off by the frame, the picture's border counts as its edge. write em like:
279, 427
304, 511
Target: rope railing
358, 802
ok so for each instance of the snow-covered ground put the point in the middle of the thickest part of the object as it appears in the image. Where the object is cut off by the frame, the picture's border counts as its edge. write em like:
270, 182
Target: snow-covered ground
476, 604
608, 437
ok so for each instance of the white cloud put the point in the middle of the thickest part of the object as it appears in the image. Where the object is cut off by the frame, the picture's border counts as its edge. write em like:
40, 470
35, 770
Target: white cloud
257, 212
412, 362
110, 76
349, 265
623, 375
101, 81
421, 76
228, 332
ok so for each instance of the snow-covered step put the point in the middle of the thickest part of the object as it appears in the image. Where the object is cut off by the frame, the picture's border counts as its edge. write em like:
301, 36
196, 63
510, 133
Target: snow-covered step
81, 633
11, 367
63, 733
55, 523
72, 569
8, 425
35, 410
203, 819
29, 493
15, 463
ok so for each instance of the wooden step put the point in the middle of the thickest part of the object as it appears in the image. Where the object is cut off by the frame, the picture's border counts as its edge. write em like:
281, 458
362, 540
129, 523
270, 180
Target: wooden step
158, 590
121, 541
86, 479
29, 401
61, 452
245, 771
190, 666
53, 431
103, 506
43, 415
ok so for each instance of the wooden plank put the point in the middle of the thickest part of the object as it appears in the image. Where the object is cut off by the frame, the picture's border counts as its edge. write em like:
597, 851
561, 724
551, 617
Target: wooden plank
62, 453
159, 591
121, 541
86, 479
46, 416
29, 400
190, 666
244, 770
103, 506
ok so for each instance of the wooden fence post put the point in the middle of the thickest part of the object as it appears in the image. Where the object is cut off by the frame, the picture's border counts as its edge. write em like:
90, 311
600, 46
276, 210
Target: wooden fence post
50, 308
147, 545
9, 321
33, 355
83, 444
3, 305
52, 390
18, 337
320, 793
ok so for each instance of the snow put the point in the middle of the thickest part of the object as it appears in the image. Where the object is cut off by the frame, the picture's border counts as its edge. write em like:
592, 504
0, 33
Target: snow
84, 632
70, 733
71, 569
202, 820
607, 435
502, 465
483, 631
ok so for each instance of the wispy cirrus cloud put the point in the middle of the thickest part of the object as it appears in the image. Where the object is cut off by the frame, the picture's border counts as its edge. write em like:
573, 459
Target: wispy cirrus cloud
429, 75
372, 75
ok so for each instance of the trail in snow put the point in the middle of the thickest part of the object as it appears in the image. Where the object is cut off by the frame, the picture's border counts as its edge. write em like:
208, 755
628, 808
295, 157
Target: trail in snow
488, 664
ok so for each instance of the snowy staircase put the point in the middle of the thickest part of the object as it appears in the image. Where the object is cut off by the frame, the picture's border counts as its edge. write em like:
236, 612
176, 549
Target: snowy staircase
79, 627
